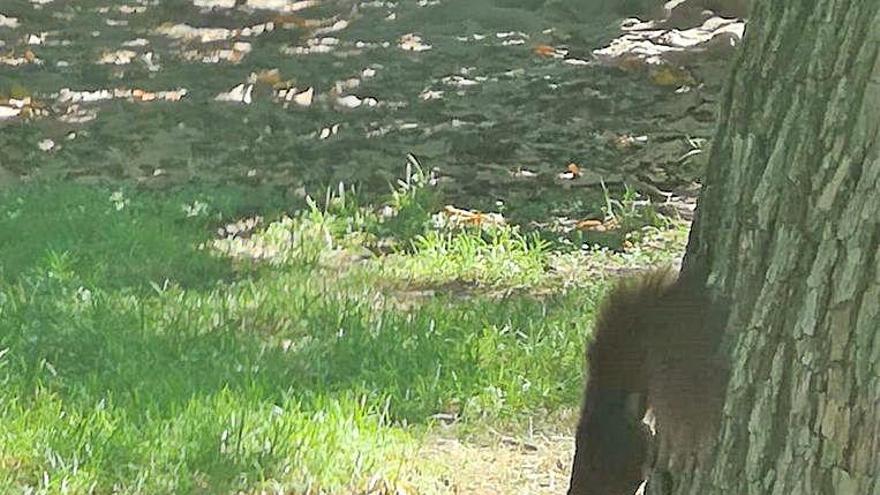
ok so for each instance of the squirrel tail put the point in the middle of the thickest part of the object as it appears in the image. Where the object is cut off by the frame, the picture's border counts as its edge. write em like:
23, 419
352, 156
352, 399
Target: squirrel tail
651, 348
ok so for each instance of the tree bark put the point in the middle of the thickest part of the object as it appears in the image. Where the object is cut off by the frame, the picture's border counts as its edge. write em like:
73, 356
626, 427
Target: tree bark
788, 232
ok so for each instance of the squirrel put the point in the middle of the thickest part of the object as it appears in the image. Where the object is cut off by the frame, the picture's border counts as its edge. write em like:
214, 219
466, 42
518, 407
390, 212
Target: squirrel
655, 350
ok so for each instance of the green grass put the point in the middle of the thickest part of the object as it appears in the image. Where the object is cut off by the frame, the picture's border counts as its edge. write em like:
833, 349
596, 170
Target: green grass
114, 238
134, 361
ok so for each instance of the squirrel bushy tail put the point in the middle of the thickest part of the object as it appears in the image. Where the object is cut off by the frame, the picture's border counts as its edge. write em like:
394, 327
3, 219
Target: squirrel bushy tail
653, 347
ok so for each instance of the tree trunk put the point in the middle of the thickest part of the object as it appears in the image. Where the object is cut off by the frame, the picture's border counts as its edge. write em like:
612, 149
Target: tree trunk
788, 231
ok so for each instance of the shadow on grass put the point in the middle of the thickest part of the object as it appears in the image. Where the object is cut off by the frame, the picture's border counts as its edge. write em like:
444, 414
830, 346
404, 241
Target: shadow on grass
217, 383
289, 335
118, 239
176, 369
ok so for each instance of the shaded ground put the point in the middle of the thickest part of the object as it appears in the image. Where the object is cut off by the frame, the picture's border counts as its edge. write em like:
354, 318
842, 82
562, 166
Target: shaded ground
479, 89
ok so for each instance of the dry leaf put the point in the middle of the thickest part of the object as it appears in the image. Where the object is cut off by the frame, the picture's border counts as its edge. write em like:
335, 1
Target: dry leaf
590, 225
458, 216
305, 98
522, 172
544, 50
623, 142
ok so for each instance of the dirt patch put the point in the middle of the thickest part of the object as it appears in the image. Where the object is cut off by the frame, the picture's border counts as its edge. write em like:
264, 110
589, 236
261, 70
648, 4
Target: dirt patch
501, 465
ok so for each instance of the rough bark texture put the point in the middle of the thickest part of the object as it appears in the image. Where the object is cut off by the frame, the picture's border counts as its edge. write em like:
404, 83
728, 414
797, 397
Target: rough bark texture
788, 231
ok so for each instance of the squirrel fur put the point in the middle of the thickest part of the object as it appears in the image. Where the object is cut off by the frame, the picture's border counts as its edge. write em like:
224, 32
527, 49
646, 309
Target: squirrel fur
655, 347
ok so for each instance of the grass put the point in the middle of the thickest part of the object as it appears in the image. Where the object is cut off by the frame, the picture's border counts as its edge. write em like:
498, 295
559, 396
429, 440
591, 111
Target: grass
139, 354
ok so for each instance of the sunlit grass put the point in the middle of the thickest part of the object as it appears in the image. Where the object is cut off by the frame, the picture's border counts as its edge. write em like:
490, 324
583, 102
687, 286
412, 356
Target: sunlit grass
136, 357
496, 256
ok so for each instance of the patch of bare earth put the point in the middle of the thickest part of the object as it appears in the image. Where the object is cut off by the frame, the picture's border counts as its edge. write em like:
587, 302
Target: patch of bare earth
501, 465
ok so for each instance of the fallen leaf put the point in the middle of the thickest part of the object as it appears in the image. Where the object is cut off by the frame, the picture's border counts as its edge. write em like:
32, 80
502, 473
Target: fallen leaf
349, 101
623, 142
413, 43
7, 112
543, 50
458, 216
239, 94
590, 225
521, 172
305, 98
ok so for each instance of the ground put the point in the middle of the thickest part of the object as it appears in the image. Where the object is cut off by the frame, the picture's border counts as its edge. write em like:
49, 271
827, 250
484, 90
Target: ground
498, 465
505, 98
541, 468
